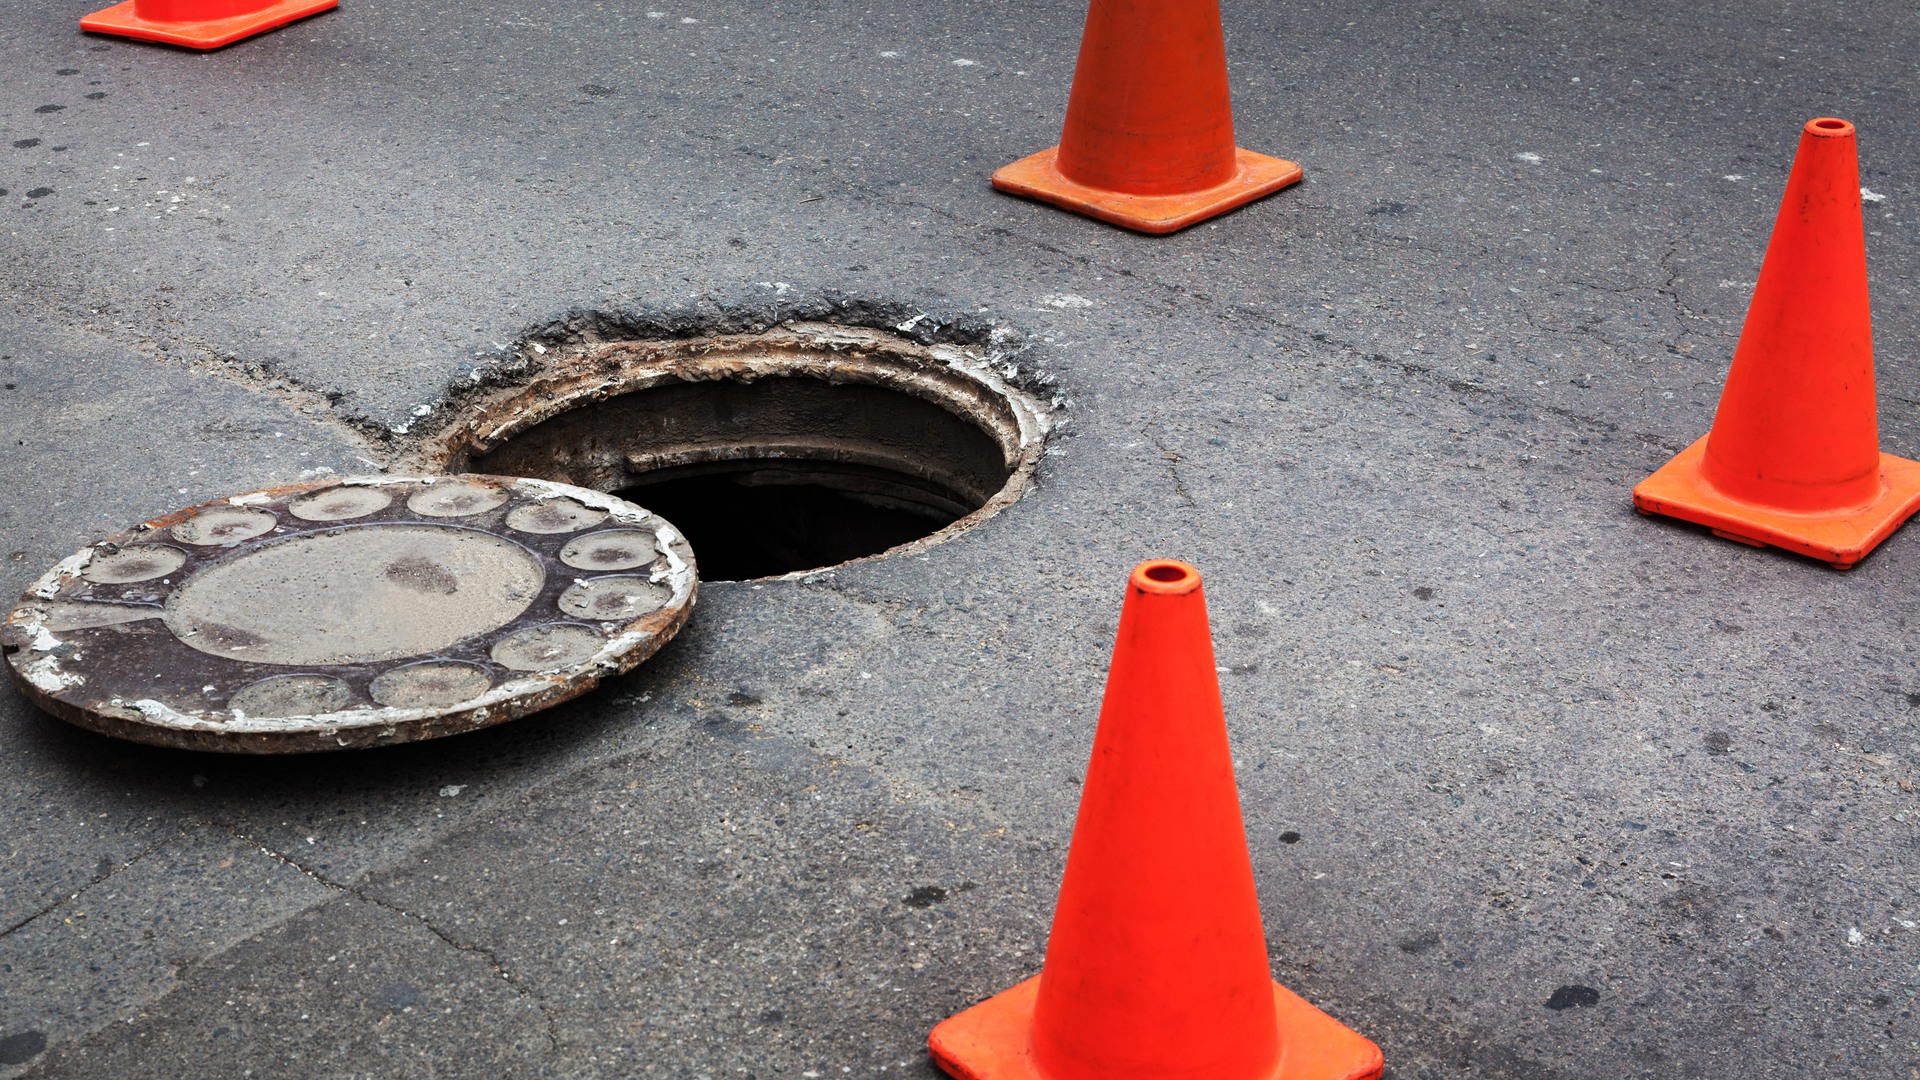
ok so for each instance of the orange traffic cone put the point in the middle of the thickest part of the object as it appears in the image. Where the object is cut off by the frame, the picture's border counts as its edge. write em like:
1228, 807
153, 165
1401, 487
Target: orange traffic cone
200, 24
1793, 459
1157, 966
1149, 135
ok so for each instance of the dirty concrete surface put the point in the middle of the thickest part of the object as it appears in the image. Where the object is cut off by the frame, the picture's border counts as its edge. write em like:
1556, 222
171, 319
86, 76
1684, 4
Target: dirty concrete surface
1534, 787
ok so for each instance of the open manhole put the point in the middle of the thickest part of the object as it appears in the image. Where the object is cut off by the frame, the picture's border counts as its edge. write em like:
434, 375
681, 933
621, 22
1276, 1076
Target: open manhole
776, 453
533, 555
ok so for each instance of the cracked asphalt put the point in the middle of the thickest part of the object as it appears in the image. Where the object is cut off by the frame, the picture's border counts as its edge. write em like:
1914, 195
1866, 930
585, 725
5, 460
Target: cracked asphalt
1535, 788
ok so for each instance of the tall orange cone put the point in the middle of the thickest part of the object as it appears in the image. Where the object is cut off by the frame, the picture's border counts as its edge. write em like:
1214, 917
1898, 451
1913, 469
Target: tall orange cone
1148, 142
200, 24
1157, 967
1794, 459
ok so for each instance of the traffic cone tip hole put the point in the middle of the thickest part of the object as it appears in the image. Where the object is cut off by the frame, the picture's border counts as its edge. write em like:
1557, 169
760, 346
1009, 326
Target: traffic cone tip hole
1166, 576
1829, 127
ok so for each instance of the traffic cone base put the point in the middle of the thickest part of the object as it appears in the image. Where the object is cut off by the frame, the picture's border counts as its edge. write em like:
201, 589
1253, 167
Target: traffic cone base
122, 20
1839, 539
1038, 177
991, 1041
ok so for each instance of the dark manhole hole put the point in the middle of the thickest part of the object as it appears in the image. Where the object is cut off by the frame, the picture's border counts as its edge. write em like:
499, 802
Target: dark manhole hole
754, 519
776, 453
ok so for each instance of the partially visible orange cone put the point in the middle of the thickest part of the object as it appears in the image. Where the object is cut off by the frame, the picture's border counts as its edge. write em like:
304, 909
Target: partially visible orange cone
1794, 459
1156, 968
200, 24
1148, 142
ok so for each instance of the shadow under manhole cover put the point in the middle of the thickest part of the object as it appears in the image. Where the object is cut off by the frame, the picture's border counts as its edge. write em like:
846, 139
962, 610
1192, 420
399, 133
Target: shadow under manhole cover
350, 612
777, 453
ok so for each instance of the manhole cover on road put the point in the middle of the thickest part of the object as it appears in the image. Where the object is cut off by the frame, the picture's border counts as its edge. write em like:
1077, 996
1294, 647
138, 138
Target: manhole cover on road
350, 612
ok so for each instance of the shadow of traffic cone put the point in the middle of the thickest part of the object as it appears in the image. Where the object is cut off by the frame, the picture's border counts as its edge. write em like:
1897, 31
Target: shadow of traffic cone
200, 24
1148, 142
1793, 459
1157, 965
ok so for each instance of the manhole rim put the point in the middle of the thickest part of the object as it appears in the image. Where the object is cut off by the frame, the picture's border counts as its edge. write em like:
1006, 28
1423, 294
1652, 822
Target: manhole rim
959, 380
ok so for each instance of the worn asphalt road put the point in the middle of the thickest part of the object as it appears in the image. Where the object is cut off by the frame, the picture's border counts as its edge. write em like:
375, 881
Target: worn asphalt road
1535, 788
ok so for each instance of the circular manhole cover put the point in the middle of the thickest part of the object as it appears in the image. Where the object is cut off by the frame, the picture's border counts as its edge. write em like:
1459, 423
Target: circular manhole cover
350, 612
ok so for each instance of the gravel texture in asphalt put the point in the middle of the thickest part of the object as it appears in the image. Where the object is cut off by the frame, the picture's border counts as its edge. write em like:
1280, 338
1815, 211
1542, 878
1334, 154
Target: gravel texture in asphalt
1534, 787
